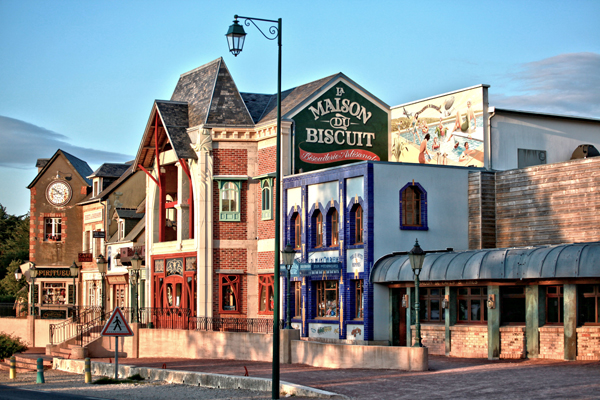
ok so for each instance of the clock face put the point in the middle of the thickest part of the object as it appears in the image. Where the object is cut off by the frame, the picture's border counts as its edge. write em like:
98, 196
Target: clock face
58, 193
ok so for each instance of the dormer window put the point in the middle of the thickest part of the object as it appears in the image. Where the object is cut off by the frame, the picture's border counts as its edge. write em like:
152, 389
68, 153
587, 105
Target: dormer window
97, 187
122, 232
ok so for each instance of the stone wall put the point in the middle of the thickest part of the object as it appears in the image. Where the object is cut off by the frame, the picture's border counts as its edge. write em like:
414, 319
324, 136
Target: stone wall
470, 341
552, 342
512, 342
588, 343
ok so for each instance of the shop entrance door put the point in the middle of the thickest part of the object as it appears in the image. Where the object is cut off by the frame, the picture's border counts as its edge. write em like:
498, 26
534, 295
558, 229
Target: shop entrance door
175, 301
398, 317
119, 295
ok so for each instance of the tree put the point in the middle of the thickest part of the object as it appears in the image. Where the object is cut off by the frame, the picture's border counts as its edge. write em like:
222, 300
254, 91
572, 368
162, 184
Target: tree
9, 286
14, 239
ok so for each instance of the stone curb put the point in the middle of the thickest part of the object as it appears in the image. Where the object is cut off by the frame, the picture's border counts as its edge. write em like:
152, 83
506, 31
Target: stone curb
217, 381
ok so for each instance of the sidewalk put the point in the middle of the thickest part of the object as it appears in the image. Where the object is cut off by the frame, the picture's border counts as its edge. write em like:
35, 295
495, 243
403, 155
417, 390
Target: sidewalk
448, 378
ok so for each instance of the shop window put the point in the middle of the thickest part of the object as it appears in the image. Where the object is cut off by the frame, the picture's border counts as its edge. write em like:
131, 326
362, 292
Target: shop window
358, 299
296, 234
472, 306
265, 294
229, 204
267, 197
512, 305
317, 230
53, 228
333, 232
356, 224
589, 304
298, 299
230, 293
413, 200
327, 299
430, 304
54, 293
554, 304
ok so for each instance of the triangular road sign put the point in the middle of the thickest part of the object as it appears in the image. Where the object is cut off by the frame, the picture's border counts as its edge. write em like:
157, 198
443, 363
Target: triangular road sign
116, 325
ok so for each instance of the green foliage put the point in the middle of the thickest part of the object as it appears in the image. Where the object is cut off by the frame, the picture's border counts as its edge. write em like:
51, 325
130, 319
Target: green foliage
10, 287
10, 345
14, 240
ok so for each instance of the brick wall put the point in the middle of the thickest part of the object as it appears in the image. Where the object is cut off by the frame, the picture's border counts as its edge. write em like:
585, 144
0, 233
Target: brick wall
588, 343
228, 259
266, 260
469, 341
266, 228
433, 336
231, 230
512, 342
267, 160
230, 162
552, 342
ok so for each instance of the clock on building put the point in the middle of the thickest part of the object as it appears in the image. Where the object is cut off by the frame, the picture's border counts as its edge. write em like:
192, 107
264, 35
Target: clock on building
59, 193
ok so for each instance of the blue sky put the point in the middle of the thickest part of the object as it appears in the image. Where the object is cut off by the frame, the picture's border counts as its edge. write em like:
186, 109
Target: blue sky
82, 75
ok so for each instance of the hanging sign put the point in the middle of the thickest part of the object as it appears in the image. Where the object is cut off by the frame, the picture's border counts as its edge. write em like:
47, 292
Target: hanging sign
98, 234
116, 325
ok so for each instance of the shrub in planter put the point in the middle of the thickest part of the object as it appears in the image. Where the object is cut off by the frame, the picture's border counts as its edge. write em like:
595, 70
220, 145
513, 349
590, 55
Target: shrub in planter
10, 345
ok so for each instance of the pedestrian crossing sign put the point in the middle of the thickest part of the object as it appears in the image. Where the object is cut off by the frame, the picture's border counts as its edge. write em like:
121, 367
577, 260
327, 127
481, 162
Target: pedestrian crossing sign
117, 325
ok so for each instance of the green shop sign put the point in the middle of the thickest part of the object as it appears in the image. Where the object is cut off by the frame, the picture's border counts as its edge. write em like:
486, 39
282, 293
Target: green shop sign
340, 127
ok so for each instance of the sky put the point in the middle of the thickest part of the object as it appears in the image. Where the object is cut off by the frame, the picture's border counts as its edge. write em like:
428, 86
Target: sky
82, 75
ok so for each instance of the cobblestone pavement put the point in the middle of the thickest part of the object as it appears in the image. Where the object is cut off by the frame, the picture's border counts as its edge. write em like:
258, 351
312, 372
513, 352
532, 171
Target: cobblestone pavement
448, 378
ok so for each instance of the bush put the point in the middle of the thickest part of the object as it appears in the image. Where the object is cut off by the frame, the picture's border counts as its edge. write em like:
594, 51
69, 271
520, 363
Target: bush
10, 345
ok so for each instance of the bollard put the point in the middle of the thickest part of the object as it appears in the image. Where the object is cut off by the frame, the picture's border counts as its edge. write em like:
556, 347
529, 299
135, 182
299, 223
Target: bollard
13, 368
88, 370
40, 371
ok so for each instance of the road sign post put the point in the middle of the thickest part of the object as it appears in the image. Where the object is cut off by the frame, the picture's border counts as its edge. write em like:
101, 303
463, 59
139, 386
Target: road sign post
117, 326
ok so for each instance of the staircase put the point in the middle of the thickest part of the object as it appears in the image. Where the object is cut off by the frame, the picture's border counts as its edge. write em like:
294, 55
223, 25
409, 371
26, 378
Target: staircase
78, 331
27, 360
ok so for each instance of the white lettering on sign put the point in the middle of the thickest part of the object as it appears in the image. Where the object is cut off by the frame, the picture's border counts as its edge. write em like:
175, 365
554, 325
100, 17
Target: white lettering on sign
327, 106
340, 91
92, 216
329, 136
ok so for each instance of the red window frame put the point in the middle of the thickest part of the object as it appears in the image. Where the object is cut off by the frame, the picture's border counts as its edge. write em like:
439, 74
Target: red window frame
265, 286
358, 225
233, 283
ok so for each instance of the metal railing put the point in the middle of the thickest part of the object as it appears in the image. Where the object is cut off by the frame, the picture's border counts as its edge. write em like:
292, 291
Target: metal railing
251, 325
69, 328
90, 330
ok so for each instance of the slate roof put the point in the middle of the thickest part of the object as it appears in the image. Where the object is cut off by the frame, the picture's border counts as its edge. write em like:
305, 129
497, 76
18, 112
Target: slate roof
109, 170
137, 231
175, 121
110, 188
41, 162
128, 213
257, 104
81, 167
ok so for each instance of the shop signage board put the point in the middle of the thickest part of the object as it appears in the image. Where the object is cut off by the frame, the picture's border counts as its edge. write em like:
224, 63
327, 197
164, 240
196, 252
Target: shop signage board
341, 126
85, 257
313, 269
53, 273
92, 216
98, 234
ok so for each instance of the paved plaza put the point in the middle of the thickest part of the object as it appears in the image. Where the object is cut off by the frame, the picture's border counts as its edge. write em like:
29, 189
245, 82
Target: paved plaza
448, 378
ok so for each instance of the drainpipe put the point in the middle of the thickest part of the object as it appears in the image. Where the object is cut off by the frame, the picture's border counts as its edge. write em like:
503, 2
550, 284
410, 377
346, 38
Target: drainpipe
488, 139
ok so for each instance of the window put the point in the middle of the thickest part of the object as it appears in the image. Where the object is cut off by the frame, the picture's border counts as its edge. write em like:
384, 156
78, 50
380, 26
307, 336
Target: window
333, 228
356, 228
297, 238
472, 304
430, 303
327, 296
358, 299
298, 299
121, 229
98, 247
267, 198
265, 294
52, 229
413, 201
589, 304
54, 293
513, 305
229, 203
230, 293
554, 305
87, 241
318, 229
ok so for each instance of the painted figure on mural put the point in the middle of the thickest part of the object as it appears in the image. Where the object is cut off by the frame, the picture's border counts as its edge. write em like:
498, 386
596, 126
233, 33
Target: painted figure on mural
424, 155
466, 153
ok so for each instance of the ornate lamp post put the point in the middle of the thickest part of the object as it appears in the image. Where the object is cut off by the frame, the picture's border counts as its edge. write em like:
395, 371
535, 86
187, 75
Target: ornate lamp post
74, 274
102, 267
33, 274
235, 39
287, 255
134, 270
416, 256
18, 274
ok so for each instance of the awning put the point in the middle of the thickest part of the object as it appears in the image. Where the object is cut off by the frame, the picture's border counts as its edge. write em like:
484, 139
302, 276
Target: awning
578, 260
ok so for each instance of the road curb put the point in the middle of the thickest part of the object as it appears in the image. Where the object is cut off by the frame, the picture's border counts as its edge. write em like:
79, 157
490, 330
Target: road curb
204, 379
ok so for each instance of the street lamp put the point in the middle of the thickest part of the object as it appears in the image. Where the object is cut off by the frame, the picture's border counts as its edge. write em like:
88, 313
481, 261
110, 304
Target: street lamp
18, 274
416, 256
74, 274
134, 270
235, 39
33, 274
102, 267
287, 254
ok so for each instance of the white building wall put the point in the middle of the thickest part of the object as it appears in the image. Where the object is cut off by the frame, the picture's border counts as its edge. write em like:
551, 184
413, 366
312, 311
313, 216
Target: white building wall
381, 312
559, 137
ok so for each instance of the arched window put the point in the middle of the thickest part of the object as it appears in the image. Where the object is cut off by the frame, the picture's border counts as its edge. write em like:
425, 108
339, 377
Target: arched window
265, 294
413, 205
229, 203
230, 293
333, 232
357, 213
297, 233
267, 197
318, 229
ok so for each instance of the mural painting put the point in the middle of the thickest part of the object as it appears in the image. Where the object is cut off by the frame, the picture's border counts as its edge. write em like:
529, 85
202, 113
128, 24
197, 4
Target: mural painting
324, 331
444, 130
